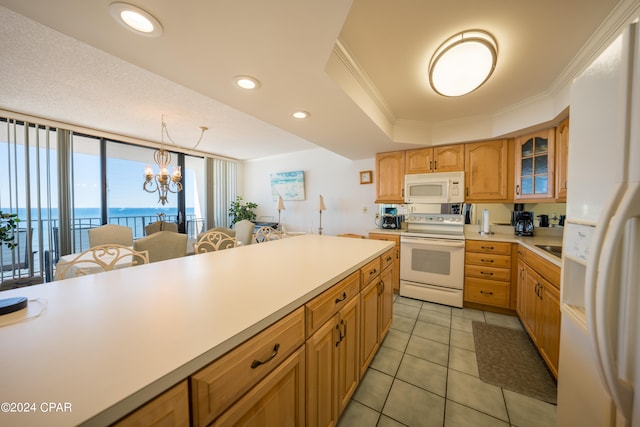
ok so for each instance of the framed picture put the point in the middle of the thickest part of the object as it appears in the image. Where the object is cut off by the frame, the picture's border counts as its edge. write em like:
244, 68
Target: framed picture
366, 177
289, 185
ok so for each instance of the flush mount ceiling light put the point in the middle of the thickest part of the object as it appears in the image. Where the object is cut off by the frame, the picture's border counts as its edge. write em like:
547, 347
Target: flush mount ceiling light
301, 114
463, 63
246, 82
135, 19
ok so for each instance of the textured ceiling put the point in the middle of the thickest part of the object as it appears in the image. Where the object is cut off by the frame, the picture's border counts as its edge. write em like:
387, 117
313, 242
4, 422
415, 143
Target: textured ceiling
69, 61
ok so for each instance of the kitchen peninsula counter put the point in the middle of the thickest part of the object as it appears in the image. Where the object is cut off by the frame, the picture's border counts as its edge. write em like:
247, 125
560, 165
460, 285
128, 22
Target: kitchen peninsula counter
107, 343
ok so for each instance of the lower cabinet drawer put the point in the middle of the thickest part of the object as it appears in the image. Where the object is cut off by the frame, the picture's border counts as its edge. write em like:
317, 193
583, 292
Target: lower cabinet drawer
490, 260
217, 386
489, 273
369, 272
321, 308
486, 292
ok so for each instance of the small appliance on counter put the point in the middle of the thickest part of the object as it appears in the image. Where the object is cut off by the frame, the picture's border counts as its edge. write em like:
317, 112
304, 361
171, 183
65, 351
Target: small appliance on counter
523, 223
391, 220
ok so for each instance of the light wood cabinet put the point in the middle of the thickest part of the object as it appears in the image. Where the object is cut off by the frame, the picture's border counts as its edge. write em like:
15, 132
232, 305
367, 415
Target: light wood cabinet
171, 408
376, 300
390, 177
488, 171
562, 160
394, 254
217, 386
368, 325
445, 158
538, 304
277, 400
488, 273
333, 368
535, 166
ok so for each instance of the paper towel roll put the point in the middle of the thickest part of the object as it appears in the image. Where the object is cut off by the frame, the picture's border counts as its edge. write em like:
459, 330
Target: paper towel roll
485, 221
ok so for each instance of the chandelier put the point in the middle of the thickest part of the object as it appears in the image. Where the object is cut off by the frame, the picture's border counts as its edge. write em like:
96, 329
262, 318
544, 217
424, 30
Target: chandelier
165, 181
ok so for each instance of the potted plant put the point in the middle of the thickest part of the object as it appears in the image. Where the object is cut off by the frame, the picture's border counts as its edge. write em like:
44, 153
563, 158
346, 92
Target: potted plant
8, 224
239, 210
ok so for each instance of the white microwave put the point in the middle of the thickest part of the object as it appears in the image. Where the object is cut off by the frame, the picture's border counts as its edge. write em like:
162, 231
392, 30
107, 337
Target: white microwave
439, 187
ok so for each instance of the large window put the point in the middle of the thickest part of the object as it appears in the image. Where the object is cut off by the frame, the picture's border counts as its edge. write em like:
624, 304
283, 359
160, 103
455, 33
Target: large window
62, 183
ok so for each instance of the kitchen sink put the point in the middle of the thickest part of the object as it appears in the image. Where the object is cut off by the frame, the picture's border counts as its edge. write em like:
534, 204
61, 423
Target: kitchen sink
553, 250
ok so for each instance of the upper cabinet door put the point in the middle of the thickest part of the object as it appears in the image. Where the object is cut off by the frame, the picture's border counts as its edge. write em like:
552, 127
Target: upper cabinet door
390, 177
449, 158
488, 172
562, 160
445, 158
419, 160
535, 165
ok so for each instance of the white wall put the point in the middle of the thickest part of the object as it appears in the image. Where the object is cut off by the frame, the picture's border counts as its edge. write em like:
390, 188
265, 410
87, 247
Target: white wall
334, 177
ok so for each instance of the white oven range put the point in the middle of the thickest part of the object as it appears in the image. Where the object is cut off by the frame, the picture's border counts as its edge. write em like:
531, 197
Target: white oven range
432, 258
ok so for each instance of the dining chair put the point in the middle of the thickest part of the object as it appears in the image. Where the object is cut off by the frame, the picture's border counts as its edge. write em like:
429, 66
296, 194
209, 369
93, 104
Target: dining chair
162, 245
266, 234
99, 259
110, 234
244, 231
213, 240
154, 227
20, 282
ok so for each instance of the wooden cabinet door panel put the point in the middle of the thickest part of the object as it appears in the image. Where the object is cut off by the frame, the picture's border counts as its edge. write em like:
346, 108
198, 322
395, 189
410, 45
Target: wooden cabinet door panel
550, 329
419, 160
562, 160
348, 352
385, 293
487, 171
448, 158
535, 166
322, 375
278, 400
368, 325
390, 177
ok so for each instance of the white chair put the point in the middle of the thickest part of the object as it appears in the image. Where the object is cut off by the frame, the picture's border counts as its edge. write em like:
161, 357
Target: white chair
110, 234
244, 231
266, 234
154, 227
99, 259
162, 245
213, 240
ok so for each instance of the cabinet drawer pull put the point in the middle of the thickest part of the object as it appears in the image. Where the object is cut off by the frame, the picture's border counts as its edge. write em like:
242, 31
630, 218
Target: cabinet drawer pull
374, 271
486, 260
486, 273
486, 292
257, 363
344, 297
517, 190
389, 258
487, 247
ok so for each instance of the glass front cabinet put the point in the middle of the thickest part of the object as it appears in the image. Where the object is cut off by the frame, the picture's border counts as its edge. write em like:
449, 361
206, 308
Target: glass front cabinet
534, 171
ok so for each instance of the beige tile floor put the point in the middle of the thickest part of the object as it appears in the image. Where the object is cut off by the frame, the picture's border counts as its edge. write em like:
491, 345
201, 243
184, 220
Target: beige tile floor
425, 374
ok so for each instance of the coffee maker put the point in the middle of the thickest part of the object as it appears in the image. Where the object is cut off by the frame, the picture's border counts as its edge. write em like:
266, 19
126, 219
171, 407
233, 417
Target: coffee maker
522, 223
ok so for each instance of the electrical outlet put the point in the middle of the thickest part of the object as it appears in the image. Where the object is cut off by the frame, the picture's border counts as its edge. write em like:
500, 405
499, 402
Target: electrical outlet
364, 210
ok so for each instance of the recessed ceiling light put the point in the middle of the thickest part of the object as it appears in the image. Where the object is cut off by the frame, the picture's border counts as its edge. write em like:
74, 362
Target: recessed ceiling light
135, 19
301, 114
246, 82
463, 63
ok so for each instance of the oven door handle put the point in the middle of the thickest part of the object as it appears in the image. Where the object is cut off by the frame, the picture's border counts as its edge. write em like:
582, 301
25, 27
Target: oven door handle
433, 242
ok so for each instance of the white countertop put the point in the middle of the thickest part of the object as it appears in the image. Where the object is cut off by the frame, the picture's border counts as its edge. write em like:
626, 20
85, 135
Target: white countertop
545, 237
109, 342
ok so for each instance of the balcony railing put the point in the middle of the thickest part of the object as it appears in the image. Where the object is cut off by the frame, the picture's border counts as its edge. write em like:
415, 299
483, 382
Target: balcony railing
45, 251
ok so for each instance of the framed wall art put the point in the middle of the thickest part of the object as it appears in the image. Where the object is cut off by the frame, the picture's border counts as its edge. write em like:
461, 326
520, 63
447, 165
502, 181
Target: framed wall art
289, 185
366, 177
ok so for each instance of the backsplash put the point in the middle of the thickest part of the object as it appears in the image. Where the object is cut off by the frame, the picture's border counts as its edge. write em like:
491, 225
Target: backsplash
500, 213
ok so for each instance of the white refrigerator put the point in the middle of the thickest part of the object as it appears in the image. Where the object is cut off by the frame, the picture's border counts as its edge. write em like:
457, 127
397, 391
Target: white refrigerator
599, 367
